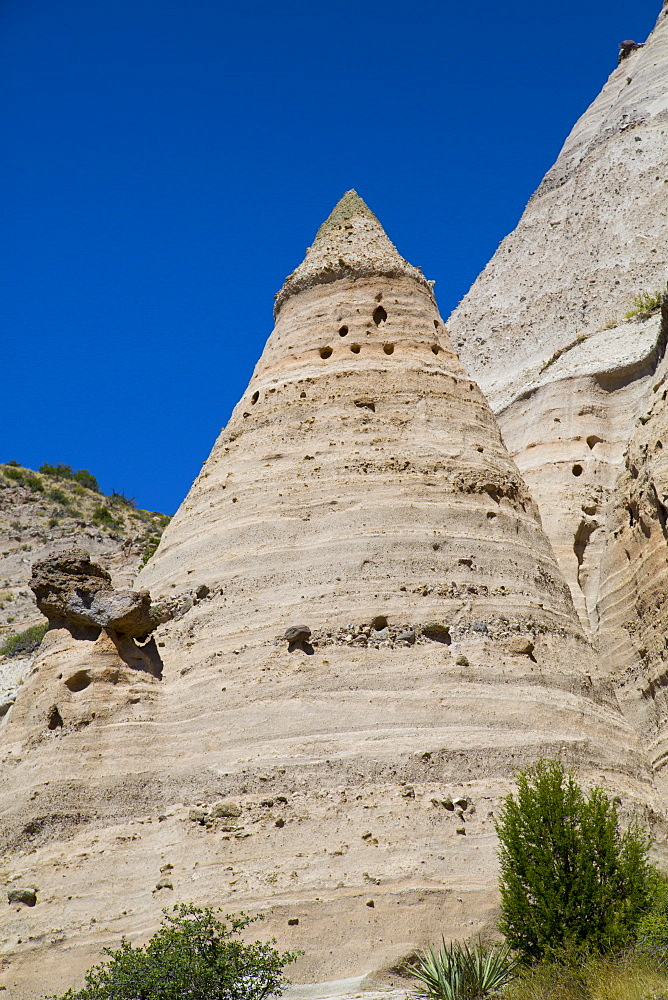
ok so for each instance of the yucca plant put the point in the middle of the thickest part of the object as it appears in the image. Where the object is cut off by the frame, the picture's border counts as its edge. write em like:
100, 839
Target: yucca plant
460, 971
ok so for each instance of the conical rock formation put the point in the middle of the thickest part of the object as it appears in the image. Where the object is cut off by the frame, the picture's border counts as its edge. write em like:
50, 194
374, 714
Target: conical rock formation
371, 635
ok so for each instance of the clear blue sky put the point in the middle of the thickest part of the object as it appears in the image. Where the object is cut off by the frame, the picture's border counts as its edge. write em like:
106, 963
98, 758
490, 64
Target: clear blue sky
166, 163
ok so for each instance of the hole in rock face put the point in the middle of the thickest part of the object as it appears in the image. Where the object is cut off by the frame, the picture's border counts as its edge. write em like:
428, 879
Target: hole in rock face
325, 352
658, 446
379, 315
577, 470
343, 331
436, 324
78, 681
435, 348
594, 439
388, 348
355, 348
54, 719
379, 622
255, 397
379, 297
490, 515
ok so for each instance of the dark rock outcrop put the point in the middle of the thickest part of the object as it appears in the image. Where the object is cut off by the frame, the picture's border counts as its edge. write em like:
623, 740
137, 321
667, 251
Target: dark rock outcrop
74, 592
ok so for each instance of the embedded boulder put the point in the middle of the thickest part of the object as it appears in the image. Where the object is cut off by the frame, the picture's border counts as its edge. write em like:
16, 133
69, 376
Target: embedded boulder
71, 590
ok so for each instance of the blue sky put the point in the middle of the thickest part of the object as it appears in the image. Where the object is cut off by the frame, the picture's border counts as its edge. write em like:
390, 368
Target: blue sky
165, 165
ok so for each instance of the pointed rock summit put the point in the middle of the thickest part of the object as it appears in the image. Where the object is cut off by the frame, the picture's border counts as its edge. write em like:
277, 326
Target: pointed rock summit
351, 243
370, 635
384, 612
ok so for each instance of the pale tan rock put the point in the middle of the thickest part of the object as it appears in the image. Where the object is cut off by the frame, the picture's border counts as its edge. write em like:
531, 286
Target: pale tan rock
360, 495
543, 328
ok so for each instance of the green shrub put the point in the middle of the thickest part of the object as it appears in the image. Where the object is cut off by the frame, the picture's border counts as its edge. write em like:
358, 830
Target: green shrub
34, 483
570, 880
17, 475
58, 496
83, 477
24, 643
644, 304
87, 479
150, 548
460, 971
15, 465
193, 955
104, 517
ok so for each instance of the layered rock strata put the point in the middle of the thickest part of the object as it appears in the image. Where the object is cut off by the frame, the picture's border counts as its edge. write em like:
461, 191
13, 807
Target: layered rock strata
543, 329
371, 635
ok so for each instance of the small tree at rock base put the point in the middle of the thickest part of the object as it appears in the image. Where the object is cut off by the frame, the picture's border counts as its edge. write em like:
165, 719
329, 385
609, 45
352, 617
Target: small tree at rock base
570, 880
193, 955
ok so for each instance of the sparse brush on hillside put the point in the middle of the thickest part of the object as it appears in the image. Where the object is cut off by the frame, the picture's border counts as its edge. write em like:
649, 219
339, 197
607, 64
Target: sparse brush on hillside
643, 304
24, 643
82, 476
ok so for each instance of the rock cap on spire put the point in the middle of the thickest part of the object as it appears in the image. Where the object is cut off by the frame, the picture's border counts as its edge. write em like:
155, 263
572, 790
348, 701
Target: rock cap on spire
351, 243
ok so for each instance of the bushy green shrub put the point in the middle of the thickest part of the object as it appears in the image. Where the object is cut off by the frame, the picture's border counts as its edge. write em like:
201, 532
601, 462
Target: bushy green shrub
24, 643
570, 879
58, 496
17, 475
24, 478
461, 971
193, 955
34, 483
83, 477
87, 479
104, 517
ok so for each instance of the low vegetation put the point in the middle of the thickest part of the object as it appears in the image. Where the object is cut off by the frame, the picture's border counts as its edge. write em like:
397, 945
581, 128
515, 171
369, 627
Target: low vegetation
461, 971
644, 304
193, 955
81, 476
24, 643
625, 977
584, 913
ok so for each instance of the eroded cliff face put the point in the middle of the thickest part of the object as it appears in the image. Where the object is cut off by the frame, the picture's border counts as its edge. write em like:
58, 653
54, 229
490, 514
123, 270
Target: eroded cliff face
370, 629
370, 634
543, 328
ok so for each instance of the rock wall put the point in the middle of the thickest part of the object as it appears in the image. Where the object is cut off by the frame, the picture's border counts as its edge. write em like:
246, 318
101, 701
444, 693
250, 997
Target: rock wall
371, 631
544, 328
